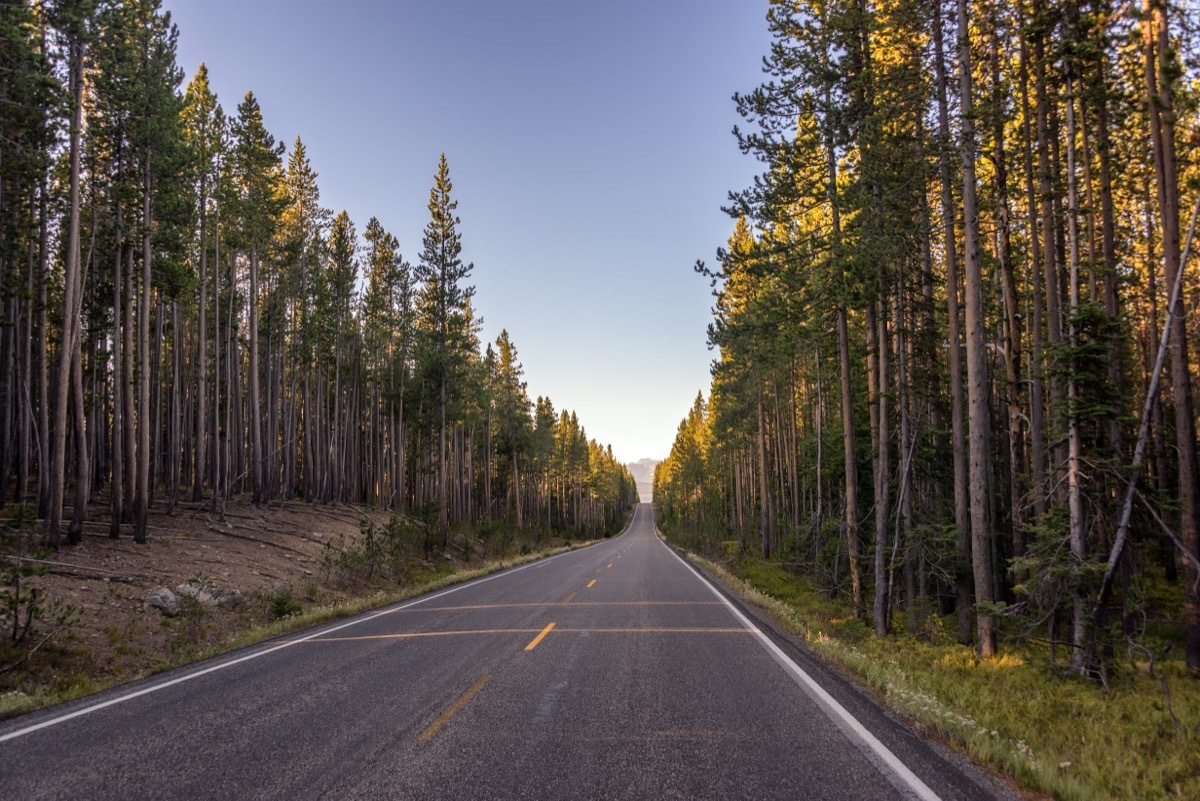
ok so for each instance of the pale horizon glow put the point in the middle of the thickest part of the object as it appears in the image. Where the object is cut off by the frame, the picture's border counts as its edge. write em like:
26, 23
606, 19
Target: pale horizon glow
590, 150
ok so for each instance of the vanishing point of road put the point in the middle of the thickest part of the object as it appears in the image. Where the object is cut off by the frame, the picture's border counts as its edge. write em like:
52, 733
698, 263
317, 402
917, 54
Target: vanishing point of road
611, 672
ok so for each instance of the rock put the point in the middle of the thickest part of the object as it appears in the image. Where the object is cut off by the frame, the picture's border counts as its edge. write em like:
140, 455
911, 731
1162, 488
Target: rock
198, 593
229, 598
164, 601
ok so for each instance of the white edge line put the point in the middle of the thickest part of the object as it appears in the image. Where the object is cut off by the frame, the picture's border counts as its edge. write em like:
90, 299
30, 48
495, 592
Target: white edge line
362, 618
838, 713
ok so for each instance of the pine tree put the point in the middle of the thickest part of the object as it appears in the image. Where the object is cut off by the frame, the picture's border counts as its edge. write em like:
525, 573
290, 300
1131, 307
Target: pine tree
512, 420
205, 135
257, 165
444, 304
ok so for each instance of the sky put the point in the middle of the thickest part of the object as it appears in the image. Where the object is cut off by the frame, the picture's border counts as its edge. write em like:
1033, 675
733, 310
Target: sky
590, 149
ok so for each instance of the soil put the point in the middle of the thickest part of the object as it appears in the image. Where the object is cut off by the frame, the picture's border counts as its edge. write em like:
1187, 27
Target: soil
273, 555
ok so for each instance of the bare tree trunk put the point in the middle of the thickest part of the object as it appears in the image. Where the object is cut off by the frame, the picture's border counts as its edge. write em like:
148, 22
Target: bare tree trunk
877, 380
1077, 524
256, 441
174, 463
843, 343
117, 485
1012, 314
902, 347
142, 498
83, 463
764, 524
71, 323
26, 382
958, 437
43, 432
127, 390
1051, 282
517, 489
1036, 401
977, 392
216, 407
443, 512
201, 451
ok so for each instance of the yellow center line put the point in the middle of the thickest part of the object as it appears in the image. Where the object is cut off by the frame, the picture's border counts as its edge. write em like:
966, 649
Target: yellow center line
661, 630
591, 584
534, 642
610, 564
433, 728
409, 635
483, 607
568, 599
540, 634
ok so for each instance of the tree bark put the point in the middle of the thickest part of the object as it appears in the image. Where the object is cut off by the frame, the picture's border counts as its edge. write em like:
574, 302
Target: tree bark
977, 392
962, 519
71, 323
141, 502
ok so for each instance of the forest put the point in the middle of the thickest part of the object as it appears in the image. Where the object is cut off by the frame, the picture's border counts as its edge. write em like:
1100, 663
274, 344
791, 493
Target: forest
184, 322
954, 325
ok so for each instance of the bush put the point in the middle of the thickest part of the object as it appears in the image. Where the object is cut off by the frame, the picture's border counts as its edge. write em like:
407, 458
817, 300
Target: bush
283, 603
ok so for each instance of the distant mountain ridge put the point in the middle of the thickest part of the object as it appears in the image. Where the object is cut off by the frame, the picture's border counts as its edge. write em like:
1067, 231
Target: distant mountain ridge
643, 474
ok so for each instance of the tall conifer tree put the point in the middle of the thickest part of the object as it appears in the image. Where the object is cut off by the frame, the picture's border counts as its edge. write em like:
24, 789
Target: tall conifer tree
444, 303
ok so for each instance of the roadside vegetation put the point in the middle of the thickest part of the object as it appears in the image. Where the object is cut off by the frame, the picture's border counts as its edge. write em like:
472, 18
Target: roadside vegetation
1020, 712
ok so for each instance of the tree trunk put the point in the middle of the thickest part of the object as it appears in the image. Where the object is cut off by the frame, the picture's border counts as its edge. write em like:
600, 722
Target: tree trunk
958, 445
1037, 440
977, 391
201, 450
127, 390
142, 498
843, 343
1077, 525
71, 323
1012, 315
877, 379
256, 441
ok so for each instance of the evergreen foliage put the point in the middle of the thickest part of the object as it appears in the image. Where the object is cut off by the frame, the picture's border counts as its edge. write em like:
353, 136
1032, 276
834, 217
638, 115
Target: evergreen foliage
969, 214
179, 312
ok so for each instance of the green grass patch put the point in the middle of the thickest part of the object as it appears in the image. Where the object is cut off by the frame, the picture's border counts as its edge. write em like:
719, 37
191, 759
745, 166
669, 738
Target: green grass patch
1052, 732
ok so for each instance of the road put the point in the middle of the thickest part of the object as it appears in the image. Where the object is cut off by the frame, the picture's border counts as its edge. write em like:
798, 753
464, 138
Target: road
615, 672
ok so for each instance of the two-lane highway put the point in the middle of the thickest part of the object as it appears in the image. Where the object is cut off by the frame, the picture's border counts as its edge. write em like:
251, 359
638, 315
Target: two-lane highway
611, 672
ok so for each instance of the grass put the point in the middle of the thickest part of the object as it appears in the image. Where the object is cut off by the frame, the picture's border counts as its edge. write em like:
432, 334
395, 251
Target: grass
1051, 732
74, 673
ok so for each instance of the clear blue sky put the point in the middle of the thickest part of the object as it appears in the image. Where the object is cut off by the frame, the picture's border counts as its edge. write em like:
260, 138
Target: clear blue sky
589, 145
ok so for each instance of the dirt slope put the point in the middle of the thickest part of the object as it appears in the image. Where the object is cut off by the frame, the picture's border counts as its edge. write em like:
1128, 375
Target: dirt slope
272, 556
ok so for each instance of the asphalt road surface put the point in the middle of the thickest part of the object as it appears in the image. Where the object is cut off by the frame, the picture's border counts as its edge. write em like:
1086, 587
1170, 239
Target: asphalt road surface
613, 672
